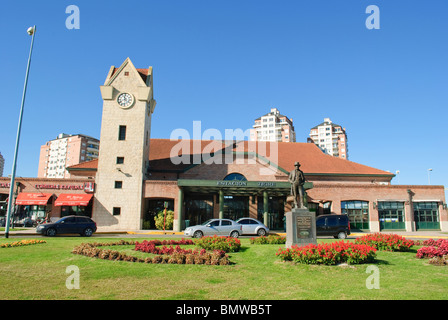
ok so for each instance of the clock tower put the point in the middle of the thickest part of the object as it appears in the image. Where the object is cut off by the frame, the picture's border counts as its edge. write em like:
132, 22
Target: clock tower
128, 104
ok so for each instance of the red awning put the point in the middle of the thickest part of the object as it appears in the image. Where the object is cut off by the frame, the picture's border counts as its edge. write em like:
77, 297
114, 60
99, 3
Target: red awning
26, 199
73, 199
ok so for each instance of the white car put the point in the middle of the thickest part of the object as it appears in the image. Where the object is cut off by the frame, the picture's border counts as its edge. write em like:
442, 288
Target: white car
253, 226
220, 227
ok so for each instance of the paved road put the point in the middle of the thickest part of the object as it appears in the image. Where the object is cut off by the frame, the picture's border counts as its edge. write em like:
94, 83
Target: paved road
31, 232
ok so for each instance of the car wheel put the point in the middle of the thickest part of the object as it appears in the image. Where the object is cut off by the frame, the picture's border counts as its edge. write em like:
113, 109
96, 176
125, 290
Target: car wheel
261, 232
341, 235
198, 234
51, 232
234, 234
88, 232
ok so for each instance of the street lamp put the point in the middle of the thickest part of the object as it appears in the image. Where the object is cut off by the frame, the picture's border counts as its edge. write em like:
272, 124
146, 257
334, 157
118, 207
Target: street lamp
31, 31
429, 180
398, 175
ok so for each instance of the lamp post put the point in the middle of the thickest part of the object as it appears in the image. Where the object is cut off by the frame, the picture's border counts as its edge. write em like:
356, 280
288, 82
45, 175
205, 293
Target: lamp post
429, 171
398, 175
31, 31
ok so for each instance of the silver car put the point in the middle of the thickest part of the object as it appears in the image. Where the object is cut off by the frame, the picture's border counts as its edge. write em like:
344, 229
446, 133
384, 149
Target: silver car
253, 226
220, 227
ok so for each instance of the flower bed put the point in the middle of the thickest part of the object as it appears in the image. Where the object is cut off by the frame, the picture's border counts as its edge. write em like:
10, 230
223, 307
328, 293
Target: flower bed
21, 243
170, 255
226, 244
436, 248
386, 242
271, 239
329, 253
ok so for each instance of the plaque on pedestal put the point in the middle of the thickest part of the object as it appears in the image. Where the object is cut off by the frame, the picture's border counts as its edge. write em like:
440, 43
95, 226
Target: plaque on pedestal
300, 227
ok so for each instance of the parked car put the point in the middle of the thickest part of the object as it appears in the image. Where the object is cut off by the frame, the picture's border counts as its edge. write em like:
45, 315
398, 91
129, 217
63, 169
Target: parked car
336, 225
69, 224
253, 226
221, 227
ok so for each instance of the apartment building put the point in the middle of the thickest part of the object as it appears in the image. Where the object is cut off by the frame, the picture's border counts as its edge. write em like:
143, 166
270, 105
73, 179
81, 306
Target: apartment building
2, 164
64, 151
273, 127
331, 138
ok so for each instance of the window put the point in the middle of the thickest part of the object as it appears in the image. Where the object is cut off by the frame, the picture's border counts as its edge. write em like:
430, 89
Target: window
391, 215
358, 213
327, 207
426, 215
120, 160
226, 223
116, 211
118, 184
235, 176
122, 133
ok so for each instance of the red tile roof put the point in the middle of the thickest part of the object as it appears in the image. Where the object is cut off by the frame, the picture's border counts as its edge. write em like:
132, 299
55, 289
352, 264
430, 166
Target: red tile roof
283, 154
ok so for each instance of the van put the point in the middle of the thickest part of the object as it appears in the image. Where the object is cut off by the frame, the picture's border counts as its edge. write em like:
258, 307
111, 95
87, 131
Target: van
336, 225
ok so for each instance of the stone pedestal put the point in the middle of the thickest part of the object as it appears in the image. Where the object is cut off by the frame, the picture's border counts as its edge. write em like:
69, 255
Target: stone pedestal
300, 227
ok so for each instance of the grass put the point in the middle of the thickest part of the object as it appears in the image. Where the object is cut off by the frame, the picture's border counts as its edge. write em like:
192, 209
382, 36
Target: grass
39, 272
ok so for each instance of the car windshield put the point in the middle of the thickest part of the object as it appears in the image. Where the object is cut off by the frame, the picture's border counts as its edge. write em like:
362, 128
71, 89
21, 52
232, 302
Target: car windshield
60, 220
206, 222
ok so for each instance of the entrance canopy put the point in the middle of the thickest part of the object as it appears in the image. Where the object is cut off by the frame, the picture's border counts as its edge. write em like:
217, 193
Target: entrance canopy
237, 187
26, 199
66, 199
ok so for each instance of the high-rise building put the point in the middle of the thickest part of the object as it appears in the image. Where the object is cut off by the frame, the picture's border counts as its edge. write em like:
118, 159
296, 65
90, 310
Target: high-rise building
64, 151
273, 127
2, 164
331, 138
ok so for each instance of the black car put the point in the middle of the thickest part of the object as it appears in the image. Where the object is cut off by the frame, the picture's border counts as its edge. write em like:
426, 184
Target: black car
69, 224
336, 225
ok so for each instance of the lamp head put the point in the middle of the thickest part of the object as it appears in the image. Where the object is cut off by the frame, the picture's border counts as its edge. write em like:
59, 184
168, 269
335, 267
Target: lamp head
31, 30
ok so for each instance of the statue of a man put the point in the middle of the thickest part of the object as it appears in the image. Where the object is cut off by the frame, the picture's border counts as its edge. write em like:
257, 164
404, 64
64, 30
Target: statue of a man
297, 180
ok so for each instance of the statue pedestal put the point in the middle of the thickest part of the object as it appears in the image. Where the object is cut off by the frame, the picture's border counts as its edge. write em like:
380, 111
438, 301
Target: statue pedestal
300, 227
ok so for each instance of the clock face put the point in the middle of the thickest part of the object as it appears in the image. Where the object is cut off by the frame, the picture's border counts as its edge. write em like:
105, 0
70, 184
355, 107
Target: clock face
125, 100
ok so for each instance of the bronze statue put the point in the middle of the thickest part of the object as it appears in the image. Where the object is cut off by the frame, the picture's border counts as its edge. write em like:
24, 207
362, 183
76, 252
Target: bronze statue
297, 180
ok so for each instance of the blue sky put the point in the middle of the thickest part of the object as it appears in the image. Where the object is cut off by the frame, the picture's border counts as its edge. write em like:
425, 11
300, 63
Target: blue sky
225, 63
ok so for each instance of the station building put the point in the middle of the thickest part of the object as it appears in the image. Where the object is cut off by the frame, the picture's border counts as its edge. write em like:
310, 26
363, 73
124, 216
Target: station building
201, 179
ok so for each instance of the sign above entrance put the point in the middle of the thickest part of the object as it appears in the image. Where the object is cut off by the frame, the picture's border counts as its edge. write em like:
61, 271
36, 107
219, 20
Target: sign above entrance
238, 184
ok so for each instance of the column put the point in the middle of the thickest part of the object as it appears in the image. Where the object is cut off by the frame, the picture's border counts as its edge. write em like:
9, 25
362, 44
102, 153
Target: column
221, 204
180, 207
265, 207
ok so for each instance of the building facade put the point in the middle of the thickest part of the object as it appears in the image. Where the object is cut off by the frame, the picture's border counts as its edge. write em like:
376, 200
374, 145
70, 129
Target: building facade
273, 127
134, 176
64, 151
2, 164
331, 138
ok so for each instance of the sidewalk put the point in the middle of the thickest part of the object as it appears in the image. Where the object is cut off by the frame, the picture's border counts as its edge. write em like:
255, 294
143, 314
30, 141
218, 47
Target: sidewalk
426, 234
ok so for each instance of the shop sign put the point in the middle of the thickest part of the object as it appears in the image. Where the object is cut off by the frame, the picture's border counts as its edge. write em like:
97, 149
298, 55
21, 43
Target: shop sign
59, 186
5, 185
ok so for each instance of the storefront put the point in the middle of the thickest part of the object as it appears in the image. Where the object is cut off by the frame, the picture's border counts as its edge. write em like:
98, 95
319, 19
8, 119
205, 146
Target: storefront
38, 199
75, 204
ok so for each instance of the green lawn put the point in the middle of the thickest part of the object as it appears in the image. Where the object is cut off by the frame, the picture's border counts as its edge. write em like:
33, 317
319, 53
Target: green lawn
39, 272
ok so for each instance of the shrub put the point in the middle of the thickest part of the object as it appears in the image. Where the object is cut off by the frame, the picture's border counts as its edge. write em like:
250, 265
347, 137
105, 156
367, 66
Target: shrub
329, 253
164, 255
386, 242
271, 239
159, 218
21, 243
226, 244
437, 248
439, 261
